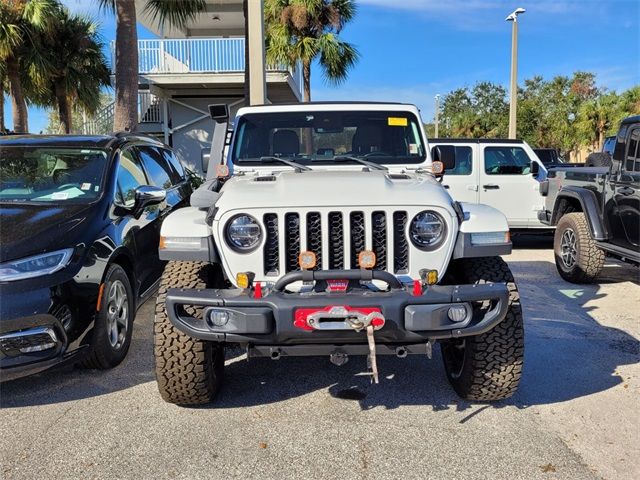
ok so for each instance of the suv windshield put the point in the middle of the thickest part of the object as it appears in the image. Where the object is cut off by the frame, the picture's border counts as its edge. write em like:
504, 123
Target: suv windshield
312, 138
51, 174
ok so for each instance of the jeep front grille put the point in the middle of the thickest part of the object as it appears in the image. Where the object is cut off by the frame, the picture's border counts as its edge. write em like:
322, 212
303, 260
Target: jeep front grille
336, 238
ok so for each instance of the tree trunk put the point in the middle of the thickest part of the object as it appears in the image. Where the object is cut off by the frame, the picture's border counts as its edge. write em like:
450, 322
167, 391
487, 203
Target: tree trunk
64, 107
18, 103
306, 80
126, 105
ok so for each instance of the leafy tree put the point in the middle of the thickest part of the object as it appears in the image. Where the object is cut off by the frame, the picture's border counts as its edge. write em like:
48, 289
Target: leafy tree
19, 21
597, 116
172, 12
74, 68
306, 30
479, 112
55, 126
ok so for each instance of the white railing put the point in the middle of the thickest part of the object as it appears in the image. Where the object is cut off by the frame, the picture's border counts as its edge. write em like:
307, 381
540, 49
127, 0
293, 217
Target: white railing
149, 111
195, 55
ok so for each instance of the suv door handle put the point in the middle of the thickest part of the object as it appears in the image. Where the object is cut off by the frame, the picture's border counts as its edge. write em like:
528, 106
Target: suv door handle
473, 188
625, 191
491, 187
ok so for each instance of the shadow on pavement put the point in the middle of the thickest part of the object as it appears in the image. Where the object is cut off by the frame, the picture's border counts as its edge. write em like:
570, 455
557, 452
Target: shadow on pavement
568, 355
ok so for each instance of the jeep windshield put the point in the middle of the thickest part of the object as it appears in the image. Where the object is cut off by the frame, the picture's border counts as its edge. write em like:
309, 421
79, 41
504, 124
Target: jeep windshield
51, 174
329, 138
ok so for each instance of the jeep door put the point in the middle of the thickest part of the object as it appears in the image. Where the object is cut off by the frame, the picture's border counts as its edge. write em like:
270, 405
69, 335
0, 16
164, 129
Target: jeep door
462, 181
623, 210
506, 183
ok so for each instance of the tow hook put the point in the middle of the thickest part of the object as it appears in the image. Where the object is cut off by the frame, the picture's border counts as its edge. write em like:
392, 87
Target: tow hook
339, 358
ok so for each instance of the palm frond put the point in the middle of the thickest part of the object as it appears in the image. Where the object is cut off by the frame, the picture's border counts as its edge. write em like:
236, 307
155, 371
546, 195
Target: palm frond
174, 12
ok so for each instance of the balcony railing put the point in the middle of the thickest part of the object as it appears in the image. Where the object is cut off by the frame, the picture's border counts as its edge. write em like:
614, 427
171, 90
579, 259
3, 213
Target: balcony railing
195, 55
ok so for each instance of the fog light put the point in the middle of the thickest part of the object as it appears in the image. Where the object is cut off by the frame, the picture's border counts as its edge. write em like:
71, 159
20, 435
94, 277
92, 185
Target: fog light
219, 317
429, 277
457, 313
367, 259
245, 279
307, 260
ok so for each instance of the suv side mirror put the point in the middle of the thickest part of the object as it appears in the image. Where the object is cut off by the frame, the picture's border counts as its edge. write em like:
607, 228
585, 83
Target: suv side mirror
219, 112
535, 168
445, 154
145, 196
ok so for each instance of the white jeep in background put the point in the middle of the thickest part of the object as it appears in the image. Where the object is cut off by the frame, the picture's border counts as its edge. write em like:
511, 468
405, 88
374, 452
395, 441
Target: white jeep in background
504, 174
333, 236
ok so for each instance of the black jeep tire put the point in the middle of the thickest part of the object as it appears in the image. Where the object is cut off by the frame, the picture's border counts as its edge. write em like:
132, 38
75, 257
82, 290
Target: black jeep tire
487, 367
578, 258
598, 159
110, 337
188, 371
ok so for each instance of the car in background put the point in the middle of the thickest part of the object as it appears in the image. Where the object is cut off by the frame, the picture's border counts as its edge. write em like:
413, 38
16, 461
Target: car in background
548, 156
504, 174
609, 145
79, 234
596, 209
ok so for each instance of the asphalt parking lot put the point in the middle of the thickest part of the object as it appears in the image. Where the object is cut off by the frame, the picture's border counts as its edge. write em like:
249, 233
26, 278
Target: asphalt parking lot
575, 415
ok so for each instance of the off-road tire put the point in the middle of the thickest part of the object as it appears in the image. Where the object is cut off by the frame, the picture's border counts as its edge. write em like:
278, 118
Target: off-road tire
589, 259
188, 371
102, 354
598, 159
487, 367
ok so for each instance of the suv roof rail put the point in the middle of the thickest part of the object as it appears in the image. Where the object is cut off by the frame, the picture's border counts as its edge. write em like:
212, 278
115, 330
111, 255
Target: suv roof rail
141, 135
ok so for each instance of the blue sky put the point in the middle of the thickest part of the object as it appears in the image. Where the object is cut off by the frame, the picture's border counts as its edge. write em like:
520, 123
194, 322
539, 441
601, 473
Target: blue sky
413, 49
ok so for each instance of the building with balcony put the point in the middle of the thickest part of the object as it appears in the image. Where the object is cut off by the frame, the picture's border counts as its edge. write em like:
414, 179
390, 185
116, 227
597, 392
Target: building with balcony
184, 70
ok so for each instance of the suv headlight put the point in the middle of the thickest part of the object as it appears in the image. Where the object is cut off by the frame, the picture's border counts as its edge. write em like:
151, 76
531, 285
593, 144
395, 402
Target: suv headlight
243, 233
427, 230
35, 266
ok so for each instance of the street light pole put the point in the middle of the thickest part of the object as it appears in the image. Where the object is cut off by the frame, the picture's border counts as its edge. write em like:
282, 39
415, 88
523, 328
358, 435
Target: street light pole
437, 97
513, 100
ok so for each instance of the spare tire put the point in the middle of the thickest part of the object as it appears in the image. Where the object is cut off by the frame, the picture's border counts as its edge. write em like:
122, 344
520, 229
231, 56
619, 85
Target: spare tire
598, 159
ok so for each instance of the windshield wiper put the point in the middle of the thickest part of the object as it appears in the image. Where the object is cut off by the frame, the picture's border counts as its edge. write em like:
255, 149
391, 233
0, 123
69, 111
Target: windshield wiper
366, 163
298, 166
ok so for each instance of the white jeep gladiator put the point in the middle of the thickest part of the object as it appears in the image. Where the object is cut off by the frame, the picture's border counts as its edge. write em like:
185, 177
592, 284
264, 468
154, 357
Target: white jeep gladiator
325, 230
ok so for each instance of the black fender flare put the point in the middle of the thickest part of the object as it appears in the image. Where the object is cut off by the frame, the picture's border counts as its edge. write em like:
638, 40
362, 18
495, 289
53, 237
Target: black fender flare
590, 207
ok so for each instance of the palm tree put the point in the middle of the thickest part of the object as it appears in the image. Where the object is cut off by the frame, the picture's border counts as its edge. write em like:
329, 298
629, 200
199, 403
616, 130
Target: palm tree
303, 30
173, 12
19, 19
73, 69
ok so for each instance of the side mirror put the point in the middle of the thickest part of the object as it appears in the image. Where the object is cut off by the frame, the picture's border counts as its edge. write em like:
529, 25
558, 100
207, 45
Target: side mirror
147, 195
445, 154
219, 112
535, 168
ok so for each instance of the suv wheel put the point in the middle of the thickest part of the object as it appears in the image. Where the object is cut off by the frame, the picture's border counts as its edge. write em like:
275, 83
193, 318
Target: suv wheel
578, 259
188, 371
113, 326
487, 367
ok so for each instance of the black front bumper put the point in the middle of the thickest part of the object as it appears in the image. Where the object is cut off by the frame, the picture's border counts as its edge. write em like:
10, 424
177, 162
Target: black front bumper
409, 319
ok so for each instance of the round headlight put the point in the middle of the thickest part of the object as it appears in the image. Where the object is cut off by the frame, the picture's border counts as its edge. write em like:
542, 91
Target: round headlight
243, 232
427, 230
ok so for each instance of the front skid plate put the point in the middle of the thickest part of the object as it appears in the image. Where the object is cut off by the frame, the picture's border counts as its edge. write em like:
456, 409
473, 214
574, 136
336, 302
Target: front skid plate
324, 350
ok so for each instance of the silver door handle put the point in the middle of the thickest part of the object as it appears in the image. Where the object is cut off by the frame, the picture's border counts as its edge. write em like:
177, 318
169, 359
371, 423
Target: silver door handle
473, 188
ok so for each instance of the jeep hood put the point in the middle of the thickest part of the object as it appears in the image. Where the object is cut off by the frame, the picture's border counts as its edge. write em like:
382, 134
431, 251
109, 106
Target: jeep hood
289, 189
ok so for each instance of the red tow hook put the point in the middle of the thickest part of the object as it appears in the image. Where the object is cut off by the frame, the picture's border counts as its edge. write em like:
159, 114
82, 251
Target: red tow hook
417, 288
257, 290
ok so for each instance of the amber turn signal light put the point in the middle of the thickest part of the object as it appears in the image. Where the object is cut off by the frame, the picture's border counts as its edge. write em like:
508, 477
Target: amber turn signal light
307, 260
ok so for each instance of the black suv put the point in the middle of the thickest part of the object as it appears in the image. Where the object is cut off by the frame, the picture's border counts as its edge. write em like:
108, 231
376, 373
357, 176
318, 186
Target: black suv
79, 233
596, 210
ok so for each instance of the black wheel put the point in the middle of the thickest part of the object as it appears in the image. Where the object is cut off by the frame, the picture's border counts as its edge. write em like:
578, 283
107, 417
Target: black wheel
578, 258
113, 326
486, 367
188, 371
598, 159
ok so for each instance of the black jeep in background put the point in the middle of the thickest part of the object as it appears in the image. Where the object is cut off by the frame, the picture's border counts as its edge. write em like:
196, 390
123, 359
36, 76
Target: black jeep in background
79, 232
596, 210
